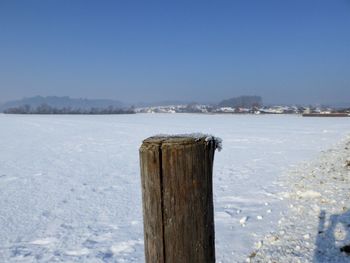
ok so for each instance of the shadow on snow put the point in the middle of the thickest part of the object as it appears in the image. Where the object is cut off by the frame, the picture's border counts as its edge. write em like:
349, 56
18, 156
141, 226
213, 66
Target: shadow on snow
332, 236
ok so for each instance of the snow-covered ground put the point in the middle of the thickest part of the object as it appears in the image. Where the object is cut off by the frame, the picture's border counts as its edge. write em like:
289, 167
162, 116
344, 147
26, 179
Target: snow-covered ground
316, 226
70, 185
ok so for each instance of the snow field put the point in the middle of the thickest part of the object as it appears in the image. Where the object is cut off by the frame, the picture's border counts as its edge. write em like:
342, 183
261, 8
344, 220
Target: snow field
70, 185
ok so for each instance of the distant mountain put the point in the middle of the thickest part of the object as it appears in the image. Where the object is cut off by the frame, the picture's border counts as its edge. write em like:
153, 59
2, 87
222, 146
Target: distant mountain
62, 102
242, 102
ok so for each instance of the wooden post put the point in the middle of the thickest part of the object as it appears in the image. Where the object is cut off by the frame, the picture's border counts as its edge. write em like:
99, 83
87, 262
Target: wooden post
176, 175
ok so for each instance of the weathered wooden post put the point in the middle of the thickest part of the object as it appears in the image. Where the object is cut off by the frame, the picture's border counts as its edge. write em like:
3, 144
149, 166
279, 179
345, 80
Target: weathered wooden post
176, 174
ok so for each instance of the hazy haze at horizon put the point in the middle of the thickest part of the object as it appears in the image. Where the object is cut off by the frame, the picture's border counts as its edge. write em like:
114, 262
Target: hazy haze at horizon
285, 51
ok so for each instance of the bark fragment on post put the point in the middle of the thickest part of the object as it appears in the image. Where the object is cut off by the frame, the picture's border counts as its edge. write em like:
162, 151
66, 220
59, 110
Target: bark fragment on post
176, 175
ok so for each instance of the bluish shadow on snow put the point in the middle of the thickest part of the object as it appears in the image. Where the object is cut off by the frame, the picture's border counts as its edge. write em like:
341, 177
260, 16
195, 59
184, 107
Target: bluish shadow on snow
332, 235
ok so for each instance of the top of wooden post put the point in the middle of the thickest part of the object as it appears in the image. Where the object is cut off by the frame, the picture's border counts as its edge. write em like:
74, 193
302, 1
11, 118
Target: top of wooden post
182, 139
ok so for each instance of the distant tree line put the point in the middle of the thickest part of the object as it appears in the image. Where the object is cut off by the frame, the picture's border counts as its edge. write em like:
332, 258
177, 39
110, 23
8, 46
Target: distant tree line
47, 109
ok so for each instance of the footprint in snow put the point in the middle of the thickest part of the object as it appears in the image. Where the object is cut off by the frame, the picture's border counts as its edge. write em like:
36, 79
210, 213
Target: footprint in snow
106, 255
89, 243
20, 251
46, 214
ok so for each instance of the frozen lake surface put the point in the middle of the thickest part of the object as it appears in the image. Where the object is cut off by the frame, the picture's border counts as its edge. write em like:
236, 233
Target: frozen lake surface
70, 185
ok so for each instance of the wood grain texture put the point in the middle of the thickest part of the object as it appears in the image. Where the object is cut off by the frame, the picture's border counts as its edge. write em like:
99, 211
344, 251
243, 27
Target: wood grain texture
178, 209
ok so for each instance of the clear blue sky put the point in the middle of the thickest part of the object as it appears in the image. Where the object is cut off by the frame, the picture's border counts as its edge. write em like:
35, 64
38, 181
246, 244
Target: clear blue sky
290, 51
